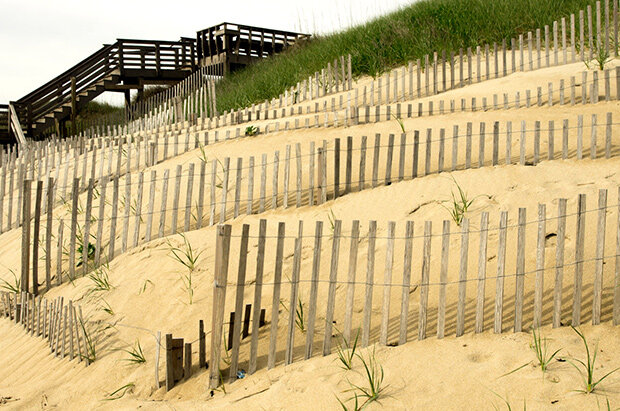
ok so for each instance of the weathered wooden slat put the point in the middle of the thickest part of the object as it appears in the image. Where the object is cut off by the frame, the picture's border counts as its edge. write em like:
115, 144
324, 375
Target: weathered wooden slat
222, 252
520, 272
460, 313
387, 283
599, 258
333, 278
443, 278
540, 265
258, 290
275, 302
314, 288
482, 271
579, 252
426, 262
236, 334
290, 339
370, 275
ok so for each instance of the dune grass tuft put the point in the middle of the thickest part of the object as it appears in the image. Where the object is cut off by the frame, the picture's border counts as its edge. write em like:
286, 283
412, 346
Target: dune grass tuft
589, 382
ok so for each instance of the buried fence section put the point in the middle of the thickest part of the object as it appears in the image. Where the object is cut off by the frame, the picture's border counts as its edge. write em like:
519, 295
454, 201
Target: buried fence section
67, 334
494, 272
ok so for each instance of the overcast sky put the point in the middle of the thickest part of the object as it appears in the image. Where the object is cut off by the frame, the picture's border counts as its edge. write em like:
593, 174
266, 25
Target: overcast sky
41, 39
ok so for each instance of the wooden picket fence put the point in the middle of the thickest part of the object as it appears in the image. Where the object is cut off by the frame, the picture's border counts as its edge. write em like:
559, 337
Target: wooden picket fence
62, 325
122, 212
428, 293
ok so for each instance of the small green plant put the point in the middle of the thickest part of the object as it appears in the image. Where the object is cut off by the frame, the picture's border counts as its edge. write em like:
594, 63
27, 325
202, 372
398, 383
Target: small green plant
332, 220
356, 406
505, 400
188, 256
588, 376
89, 342
136, 355
105, 307
601, 55
120, 393
374, 378
251, 130
299, 317
459, 204
14, 286
400, 123
144, 285
539, 345
100, 279
346, 351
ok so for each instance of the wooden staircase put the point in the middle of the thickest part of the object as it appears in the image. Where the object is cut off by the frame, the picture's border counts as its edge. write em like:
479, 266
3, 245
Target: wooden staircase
122, 66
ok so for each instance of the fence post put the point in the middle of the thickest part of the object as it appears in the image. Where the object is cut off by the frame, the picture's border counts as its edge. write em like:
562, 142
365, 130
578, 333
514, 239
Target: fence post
222, 250
26, 236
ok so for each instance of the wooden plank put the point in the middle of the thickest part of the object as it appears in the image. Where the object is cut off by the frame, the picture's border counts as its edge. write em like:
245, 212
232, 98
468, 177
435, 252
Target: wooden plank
236, 332
336, 168
250, 204
59, 252
276, 166
520, 272
375, 160
35, 238
468, 146
127, 201
579, 252
138, 210
75, 192
427, 159
599, 258
352, 267
455, 146
370, 273
176, 199
212, 194
237, 187
314, 285
290, 340
275, 302
443, 278
404, 309
164, 201
224, 200
113, 220
219, 297
426, 262
348, 166
387, 283
331, 295
540, 265
460, 313
151, 208
25, 261
258, 289
482, 271
559, 262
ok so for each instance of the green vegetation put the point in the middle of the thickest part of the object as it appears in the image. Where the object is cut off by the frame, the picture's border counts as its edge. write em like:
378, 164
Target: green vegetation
14, 286
373, 374
392, 40
136, 355
120, 393
459, 204
539, 345
588, 366
187, 256
346, 351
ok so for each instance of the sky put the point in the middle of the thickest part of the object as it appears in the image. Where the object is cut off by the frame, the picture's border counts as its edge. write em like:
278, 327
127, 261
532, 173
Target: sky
40, 39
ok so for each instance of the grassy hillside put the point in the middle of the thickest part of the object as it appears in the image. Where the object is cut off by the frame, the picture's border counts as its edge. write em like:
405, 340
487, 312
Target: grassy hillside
408, 34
